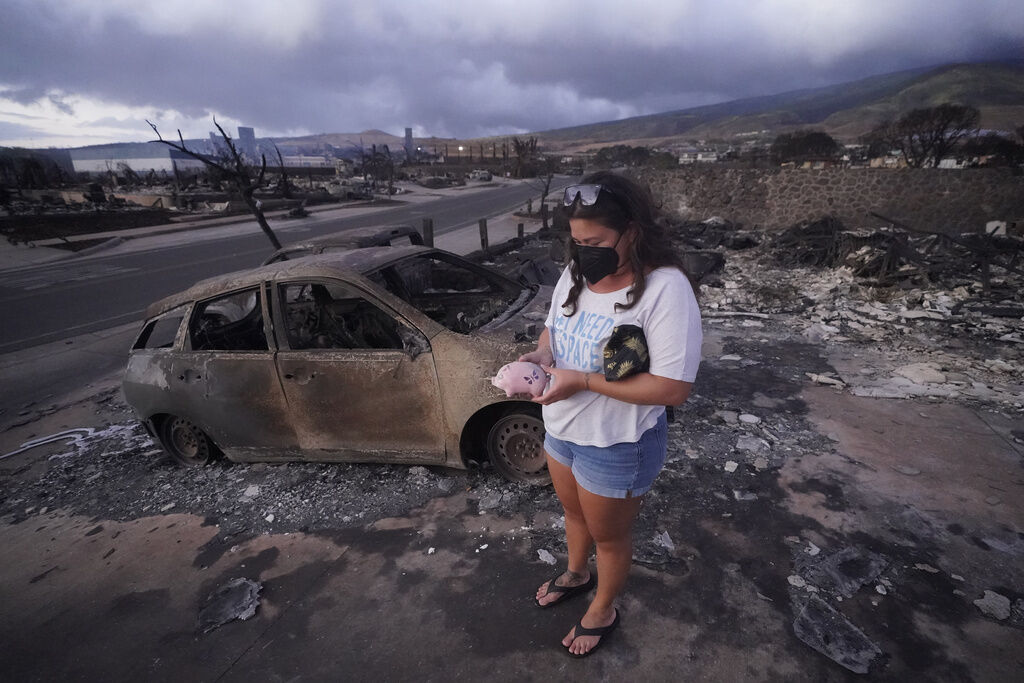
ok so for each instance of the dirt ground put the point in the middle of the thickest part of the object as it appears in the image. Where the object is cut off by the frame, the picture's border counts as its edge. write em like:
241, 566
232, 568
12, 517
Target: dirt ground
798, 532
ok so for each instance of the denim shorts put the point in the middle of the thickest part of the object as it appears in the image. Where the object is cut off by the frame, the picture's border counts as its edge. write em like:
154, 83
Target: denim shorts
622, 470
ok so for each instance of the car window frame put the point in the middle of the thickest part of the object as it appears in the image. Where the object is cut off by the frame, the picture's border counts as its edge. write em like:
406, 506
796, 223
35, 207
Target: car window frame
182, 326
452, 259
265, 311
371, 296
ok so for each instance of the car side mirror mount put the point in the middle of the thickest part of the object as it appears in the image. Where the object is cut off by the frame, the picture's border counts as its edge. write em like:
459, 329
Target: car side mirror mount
413, 343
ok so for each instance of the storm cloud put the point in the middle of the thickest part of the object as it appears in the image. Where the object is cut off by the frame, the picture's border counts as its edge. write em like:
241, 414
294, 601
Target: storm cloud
80, 71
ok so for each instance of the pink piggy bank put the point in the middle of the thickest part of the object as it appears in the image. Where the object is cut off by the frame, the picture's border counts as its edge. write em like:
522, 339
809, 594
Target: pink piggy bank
521, 378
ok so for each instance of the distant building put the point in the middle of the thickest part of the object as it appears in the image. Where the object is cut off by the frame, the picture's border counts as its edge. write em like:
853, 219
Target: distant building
217, 146
409, 149
247, 144
819, 164
141, 157
303, 161
693, 156
892, 160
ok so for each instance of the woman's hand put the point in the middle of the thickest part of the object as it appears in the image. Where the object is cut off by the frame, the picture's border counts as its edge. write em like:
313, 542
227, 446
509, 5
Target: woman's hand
542, 356
562, 385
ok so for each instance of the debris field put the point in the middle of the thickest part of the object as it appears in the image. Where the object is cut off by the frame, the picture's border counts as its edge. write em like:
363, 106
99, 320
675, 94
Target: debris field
813, 510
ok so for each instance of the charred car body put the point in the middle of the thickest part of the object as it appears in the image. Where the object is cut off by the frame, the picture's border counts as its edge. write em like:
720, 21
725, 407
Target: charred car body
382, 354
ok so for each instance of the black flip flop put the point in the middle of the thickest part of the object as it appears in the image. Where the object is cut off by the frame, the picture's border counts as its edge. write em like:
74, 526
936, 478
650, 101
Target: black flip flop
603, 632
566, 591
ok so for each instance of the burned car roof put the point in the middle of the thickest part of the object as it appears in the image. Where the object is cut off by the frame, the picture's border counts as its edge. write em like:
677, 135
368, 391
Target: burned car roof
355, 238
332, 264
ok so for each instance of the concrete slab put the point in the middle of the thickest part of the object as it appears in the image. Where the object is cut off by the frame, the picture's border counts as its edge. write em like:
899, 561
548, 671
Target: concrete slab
90, 591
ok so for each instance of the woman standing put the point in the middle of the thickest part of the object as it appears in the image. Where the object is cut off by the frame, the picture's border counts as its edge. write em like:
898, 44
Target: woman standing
606, 435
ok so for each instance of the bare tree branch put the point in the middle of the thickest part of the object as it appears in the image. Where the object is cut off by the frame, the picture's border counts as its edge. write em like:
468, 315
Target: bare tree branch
239, 176
185, 150
286, 191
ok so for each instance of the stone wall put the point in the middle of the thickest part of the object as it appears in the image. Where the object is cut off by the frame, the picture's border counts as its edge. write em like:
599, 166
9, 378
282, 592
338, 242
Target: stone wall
950, 201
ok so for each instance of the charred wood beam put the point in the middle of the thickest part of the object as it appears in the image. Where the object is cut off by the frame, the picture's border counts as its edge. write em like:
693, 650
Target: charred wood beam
985, 248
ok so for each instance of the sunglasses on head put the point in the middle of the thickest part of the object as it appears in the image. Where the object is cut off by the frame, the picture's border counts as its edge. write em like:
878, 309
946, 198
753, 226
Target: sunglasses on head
587, 194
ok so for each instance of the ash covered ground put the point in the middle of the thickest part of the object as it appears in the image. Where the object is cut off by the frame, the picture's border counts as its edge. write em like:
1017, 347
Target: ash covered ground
769, 484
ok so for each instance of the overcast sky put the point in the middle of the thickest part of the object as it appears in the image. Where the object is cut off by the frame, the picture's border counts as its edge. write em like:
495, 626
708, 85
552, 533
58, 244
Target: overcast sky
78, 72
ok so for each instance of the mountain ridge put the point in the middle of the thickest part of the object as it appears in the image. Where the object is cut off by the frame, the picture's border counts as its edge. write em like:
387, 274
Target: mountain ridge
844, 110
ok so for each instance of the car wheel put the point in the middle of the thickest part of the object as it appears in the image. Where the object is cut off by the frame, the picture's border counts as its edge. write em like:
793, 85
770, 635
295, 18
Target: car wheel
185, 442
515, 446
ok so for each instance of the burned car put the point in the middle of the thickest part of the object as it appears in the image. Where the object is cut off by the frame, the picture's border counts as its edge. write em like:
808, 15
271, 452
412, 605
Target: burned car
356, 238
382, 354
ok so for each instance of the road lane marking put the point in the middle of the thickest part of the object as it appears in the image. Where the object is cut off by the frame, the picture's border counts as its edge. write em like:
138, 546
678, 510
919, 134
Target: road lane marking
91, 271
137, 315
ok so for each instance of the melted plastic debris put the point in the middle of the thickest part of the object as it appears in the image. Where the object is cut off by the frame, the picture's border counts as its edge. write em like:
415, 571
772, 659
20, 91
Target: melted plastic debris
237, 599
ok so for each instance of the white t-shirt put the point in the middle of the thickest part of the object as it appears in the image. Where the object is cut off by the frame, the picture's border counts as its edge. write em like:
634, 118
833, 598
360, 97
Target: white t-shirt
668, 314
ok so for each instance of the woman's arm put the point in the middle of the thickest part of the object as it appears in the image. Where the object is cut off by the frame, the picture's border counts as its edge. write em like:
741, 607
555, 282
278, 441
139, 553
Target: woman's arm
642, 388
543, 354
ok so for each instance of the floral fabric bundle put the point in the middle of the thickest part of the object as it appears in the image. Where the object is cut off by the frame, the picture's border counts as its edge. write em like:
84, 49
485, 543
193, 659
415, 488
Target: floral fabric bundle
626, 353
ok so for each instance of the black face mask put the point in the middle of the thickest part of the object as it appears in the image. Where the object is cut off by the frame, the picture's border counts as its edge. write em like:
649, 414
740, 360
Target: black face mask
597, 263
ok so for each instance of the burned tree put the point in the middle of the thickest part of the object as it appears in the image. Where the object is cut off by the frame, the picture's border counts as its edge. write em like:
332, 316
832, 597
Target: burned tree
804, 145
526, 156
286, 190
381, 166
234, 169
546, 174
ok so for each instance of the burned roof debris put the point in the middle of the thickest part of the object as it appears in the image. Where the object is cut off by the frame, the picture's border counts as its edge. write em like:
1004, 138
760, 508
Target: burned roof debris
953, 302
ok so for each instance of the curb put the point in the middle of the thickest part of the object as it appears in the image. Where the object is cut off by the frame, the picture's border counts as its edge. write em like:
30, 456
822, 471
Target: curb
112, 242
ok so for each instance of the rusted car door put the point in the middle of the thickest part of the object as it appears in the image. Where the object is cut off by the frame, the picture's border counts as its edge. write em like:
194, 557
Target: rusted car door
227, 379
360, 381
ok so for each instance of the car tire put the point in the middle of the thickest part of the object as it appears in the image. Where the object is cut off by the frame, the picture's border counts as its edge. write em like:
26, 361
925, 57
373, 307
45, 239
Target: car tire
186, 443
515, 445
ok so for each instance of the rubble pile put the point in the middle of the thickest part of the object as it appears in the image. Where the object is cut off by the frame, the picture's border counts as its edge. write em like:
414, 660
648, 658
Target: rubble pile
968, 331
898, 255
120, 473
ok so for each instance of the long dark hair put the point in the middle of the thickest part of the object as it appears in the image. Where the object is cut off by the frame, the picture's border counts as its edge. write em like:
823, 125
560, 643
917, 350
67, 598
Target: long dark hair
622, 203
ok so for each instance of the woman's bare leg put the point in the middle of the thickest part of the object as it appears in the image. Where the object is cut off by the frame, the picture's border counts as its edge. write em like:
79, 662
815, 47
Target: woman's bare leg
610, 522
577, 536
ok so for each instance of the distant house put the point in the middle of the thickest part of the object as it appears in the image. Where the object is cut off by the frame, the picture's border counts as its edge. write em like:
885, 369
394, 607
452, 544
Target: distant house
892, 160
695, 156
953, 163
141, 157
820, 163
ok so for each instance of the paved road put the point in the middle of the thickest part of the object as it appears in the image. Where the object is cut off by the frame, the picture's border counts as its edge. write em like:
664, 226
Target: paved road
49, 303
